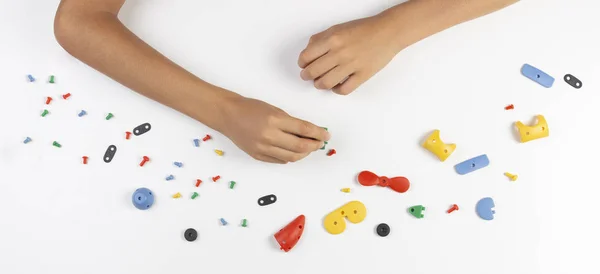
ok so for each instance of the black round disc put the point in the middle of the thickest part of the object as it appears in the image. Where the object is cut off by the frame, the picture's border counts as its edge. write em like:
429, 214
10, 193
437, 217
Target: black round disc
190, 234
383, 230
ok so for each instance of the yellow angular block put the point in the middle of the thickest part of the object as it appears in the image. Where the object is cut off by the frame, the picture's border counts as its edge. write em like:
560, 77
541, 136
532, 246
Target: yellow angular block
537, 131
335, 223
435, 145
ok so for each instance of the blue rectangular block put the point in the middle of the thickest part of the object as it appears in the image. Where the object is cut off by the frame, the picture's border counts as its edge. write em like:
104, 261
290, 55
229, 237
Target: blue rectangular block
473, 164
537, 75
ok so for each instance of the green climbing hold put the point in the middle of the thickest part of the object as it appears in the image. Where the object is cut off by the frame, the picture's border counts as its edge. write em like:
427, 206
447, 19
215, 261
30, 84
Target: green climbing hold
56, 144
110, 115
417, 211
231, 184
51, 81
45, 113
194, 195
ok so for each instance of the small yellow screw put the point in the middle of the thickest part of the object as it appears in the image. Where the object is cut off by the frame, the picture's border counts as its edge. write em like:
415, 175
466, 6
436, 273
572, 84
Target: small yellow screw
219, 152
177, 195
512, 177
346, 190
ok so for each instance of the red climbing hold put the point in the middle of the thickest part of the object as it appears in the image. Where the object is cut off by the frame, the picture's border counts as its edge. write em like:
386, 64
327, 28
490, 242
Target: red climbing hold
398, 184
290, 234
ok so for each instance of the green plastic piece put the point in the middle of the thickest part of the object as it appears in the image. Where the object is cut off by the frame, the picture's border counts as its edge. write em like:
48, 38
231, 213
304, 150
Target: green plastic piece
56, 144
110, 115
194, 195
325, 141
51, 79
417, 211
244, 223
45, 113
231, 184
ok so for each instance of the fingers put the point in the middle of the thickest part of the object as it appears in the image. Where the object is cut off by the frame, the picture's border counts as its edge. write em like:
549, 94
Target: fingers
269, 159
334, 77
350, 84
285, 155
304, 129
296, 144
319, 67
311, 53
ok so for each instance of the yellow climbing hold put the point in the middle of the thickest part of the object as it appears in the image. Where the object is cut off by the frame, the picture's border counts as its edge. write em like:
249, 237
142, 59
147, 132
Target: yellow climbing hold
219, 152
346, 190
512, 177
537, 131
177, 195
435, 145
354, 211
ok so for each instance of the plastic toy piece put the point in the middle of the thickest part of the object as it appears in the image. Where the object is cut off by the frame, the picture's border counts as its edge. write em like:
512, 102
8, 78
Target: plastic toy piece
331, 152
472, 164
177, 195
219, 152
485, 208
383, 230
170, 178
109, 116
196, 142
48, 100
56, 144
417, 211
110, 153
573, 81
190, 235
289, 236
142, 198
45, 112
178, 164
223, 222
509, 107
345, 190
537, 131
453, 208
141, 129
267, 200
206, 138
244, 223
82, 113
127, 135
66, 96
354, 211
30, 78
85, 160
325, 143
537, 75
231, 184
198, 182
145, 159
27, 140
194, 195
398, 184
216, 178
51, 81
435, 145
512, 177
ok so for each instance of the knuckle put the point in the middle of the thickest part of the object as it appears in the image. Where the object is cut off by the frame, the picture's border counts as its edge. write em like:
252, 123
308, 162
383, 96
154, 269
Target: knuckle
304, 128
334, 40
301, 146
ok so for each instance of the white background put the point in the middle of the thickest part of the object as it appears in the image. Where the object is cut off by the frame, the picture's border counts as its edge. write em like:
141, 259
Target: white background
59, 216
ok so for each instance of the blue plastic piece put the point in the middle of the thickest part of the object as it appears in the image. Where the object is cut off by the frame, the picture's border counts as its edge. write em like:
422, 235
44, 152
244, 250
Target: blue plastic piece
472, 164
485, 208
27, 140
142, 198
223, 222
178, 164
170, 177
31, 79
197, 142
82, 113
537, 75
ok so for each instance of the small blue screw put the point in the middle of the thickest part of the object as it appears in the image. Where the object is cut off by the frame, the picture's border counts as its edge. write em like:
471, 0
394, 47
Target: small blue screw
82, 113
171, 177
197, 142
31, 79
223, 221
27, 140
178, 164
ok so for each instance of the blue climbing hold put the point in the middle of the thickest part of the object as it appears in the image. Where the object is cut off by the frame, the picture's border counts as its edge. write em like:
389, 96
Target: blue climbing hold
537, 75
197, 142
472, 164
485, 208
82, 113
142, 198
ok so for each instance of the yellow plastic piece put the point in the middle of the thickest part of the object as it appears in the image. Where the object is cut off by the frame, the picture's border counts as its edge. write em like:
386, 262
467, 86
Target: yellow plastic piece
219, 152
537, 131
512, 177
438, 147
177, 195
354, 211
346, 190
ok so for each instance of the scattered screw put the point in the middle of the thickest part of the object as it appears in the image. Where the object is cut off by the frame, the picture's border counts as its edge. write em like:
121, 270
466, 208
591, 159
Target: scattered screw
65, 96
453, 208
331, 152
194, 195
244, 223
216, 178
512, 177
51, 81
177, 195
110, 115
223, 222
45, 112
56, 144
196, 142
85, 159
146, 159
82, 113
178, 164
127, 135
231, 184
198, 182
170, 177
346, 190
30, 78
27, 140
511, 106
206, 138
48, 100
219, 152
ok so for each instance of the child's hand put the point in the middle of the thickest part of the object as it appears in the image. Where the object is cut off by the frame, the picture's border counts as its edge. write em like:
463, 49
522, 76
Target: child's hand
355, 50
268, 133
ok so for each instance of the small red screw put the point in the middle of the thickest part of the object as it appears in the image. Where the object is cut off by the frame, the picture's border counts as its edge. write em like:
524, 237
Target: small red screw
198, 182
453, 208
48, 100
65, 96
85, 158
206, 138
146, 159
511, 106
127, 135
331, 152
215, 179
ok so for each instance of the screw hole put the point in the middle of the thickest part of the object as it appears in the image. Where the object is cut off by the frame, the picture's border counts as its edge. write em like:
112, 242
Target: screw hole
147, 127
343, 212
577, 84
334, 223
473, 165
538, 76
543, 128
433, 140
355, 212
446, 151
300, 227
272, 198
527, 133
412, 210
261, 202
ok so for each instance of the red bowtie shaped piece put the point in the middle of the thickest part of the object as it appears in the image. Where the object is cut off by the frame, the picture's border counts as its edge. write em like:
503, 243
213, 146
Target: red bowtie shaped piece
398, 184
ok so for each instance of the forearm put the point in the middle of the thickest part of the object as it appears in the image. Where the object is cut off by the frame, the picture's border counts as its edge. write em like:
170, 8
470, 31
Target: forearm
419, 19
100, 40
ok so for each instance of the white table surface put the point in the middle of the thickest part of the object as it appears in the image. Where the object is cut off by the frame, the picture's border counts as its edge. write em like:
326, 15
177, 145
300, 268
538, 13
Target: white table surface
59, 216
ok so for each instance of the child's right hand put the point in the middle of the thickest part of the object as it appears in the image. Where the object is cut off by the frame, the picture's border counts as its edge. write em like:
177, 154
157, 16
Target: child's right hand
268, 133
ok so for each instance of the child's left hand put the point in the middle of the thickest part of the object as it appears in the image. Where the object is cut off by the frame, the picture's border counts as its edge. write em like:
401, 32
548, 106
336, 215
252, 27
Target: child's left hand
355, 50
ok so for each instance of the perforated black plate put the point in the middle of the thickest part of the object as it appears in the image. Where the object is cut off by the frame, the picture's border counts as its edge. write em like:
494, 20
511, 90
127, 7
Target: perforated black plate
267, 200
141, 129
110, 153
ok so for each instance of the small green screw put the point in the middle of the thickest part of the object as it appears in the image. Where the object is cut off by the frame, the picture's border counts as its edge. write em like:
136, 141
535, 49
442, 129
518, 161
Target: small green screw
231, 184
194, 195
45, 113
51, 79
244, 223
56, 144
110, 115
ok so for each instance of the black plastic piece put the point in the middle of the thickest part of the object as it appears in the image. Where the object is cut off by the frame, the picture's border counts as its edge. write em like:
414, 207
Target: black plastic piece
383, 230
573, 81
110, 153
141, 129
190, 234
267, 200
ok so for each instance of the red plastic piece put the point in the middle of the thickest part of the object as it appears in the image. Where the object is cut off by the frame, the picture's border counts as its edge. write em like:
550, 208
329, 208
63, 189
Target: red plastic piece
398, 184
198, 182
331, 152
453, 208
206, 138
216, 178
127, 135
511, 106
65, 96
48, 100
85, 158
288, 236
146, 159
